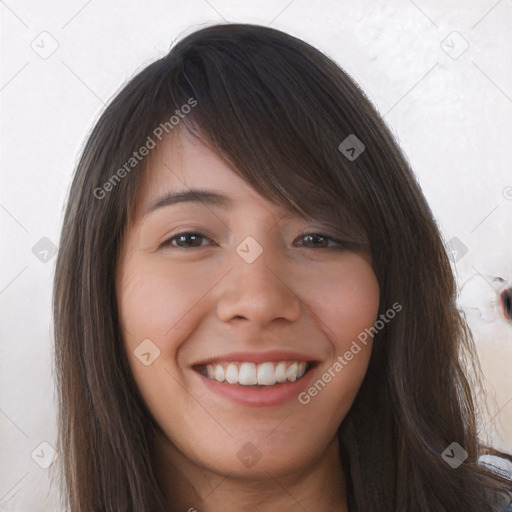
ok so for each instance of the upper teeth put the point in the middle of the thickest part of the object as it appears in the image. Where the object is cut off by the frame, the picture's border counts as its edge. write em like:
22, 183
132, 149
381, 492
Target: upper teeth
250, 374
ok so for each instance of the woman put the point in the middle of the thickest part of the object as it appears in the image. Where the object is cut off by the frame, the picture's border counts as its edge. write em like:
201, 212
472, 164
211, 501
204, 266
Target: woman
253, 306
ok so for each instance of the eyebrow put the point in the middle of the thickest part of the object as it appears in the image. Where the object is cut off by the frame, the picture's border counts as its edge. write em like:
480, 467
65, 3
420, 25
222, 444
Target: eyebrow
191, 196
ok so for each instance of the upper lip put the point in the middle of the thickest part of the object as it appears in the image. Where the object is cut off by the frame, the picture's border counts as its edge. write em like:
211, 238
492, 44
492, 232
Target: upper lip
258, 357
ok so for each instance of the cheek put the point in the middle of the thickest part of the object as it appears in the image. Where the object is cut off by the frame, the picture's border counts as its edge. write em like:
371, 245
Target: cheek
155, 297
156, 302
346, 300
357, 305
347, 307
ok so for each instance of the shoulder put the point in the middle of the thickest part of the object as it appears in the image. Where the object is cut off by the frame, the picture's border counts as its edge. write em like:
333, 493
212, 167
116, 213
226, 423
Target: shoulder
502, 467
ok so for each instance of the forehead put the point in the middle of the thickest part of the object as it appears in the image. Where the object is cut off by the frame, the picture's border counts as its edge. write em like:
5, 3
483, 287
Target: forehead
183, 164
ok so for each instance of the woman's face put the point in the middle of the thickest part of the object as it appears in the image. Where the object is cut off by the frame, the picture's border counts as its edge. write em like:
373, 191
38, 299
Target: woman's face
255, 298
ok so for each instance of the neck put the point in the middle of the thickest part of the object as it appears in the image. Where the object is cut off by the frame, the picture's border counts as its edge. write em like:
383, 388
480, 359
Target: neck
188, 486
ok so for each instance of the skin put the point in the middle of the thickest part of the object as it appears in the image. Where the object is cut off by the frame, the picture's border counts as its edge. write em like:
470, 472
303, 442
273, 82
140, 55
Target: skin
194, 303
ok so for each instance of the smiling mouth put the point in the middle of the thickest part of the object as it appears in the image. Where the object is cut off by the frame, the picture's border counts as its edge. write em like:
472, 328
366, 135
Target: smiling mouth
256, 375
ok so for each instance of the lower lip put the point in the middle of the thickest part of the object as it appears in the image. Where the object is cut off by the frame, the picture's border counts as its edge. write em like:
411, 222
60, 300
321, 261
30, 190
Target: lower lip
263, 396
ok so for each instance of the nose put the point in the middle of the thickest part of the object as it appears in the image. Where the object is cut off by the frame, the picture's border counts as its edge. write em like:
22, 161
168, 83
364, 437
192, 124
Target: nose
258, 292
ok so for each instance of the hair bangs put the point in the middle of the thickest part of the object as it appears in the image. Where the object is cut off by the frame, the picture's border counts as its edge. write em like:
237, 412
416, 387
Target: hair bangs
247, 113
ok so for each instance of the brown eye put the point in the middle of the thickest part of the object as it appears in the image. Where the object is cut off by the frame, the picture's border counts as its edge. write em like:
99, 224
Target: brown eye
185, 240
319, 241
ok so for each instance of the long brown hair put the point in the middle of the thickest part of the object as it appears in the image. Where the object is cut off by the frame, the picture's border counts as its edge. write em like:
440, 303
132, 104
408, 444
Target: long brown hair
276, 109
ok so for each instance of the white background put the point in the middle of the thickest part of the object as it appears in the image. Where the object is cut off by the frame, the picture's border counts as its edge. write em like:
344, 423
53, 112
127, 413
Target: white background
451, 114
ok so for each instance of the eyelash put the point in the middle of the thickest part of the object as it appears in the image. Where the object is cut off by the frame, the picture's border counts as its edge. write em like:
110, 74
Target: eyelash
168, 243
